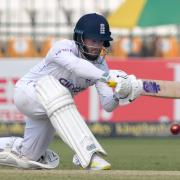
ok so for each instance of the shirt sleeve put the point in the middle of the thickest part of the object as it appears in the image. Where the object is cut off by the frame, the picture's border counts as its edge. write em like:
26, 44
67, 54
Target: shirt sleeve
63, 54
106, 94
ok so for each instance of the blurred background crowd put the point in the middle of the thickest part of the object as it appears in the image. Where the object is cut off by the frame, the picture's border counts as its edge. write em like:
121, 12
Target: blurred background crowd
29, 27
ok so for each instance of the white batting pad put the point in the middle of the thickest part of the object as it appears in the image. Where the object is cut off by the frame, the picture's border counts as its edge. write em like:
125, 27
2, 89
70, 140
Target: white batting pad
10, 155
10, 158
65, 118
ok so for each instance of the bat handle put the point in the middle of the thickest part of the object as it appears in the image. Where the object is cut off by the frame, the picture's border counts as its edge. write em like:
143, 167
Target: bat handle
112, 83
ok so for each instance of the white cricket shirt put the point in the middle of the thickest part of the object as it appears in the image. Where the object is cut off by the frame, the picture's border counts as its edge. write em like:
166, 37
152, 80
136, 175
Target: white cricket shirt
64, 62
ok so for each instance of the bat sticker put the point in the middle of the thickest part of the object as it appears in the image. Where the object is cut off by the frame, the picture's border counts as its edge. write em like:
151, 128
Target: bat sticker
151, 87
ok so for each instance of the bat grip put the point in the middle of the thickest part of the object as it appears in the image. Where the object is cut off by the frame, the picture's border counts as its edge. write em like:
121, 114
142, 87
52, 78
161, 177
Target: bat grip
112, 83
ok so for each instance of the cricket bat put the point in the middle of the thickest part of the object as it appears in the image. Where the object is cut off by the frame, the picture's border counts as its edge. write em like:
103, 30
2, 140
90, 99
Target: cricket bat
158, 88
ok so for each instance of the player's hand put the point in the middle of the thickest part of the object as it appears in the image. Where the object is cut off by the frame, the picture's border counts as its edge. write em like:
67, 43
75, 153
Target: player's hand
119, 80
136, 90
127, 87
123, 84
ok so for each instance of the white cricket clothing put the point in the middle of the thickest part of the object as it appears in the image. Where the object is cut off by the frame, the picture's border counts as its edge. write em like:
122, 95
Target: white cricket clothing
10, 155
65, 63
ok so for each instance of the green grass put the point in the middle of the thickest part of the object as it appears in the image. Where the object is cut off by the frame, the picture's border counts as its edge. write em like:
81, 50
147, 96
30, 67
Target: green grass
131, 158
132, 153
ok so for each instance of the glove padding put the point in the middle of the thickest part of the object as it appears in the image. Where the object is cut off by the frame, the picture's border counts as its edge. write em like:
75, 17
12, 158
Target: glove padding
123, 87
137, 89
128, 88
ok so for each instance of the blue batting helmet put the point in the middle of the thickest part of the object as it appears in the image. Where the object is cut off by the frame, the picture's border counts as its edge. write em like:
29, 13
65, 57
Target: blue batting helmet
93, 26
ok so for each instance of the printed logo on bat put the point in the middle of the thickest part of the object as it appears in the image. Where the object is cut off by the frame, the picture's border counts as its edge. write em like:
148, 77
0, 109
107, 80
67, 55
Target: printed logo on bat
151, 87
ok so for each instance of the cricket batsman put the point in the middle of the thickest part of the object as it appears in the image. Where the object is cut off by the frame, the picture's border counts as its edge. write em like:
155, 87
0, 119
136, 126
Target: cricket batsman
45, 95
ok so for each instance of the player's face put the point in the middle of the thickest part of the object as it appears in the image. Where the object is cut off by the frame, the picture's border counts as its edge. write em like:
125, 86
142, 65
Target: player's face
93, 47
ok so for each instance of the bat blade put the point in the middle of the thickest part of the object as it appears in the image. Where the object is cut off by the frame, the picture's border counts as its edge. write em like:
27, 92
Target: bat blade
161, 88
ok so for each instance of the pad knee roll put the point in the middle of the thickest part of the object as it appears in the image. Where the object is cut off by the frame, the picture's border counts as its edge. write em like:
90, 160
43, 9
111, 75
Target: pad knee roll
55, 98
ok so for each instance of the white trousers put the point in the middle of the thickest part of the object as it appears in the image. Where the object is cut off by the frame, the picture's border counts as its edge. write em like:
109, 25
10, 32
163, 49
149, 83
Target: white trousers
38, 131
